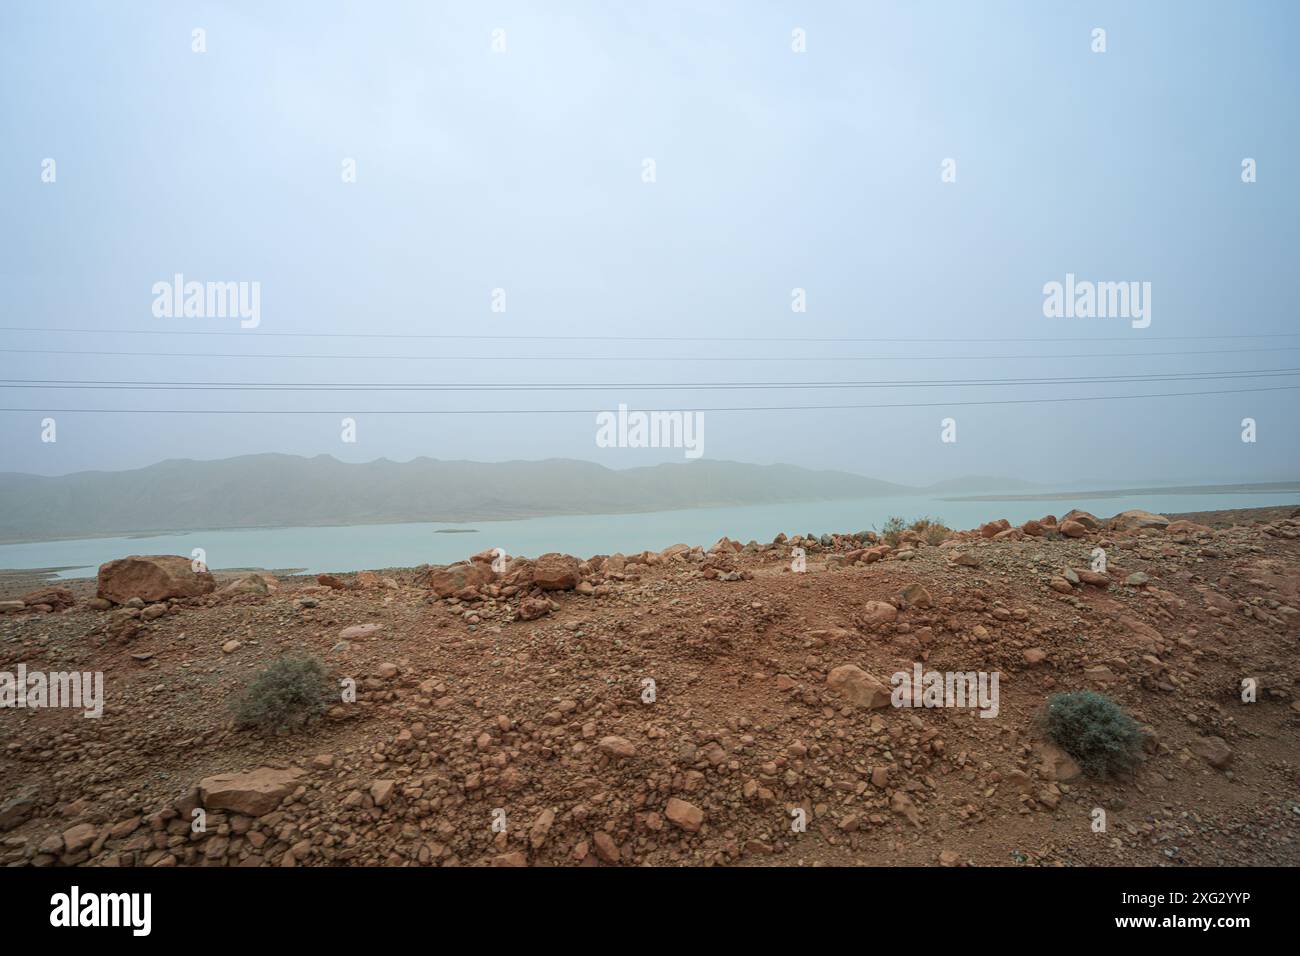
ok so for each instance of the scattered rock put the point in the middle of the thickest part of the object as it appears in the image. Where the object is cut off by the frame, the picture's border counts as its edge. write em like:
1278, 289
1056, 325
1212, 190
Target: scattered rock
859, 687
1213, 750
685, 815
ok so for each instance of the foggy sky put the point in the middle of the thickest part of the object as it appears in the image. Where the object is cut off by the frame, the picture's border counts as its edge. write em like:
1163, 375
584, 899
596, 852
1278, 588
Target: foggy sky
775, 170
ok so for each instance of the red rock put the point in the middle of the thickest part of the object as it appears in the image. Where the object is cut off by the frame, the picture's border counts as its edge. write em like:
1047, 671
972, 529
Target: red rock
1056, 764
878, 612
1085, 518
902, 804
1213, 750
56, 598
155, 577
685, 815
248, 584
530, 609
1073, 529
556, 572
446, 582
1136, 519
76, 839
1183, 526
253, 794
826, 634
859, 687
541, 828
606, 848
616, 746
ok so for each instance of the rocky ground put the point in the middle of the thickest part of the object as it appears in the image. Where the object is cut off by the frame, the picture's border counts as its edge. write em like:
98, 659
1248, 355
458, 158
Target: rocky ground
677, 708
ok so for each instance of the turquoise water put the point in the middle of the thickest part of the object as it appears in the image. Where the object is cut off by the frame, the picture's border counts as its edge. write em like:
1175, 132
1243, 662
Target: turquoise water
403, 545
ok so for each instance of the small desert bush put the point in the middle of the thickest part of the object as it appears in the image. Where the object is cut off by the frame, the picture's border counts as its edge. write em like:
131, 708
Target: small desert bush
290, 692
932, 530
1095, 731
894, 526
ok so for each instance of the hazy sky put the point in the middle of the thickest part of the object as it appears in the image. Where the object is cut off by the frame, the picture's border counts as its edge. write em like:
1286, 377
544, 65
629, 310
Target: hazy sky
524, 170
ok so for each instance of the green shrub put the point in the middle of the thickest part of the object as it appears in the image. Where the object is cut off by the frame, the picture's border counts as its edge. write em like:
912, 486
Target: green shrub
892, 529
1095, 731
290, 692
932, 530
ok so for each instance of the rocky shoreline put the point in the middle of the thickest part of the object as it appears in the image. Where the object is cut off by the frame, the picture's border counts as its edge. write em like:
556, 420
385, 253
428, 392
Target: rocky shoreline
680, 707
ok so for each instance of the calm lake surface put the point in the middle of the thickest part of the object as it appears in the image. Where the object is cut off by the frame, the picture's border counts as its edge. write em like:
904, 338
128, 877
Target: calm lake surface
403, 545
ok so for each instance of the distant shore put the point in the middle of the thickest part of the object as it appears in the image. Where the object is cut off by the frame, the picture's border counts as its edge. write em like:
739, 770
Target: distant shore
1261, 488
459, 523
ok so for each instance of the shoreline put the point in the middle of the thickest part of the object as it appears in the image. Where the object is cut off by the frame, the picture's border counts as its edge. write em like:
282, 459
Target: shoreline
15, 581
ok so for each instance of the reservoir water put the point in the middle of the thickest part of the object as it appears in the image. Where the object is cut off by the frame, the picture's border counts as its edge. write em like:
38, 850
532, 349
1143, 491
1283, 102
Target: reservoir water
358, 547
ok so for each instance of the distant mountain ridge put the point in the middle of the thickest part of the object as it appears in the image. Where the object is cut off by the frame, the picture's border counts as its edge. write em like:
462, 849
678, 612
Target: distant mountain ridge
275, 490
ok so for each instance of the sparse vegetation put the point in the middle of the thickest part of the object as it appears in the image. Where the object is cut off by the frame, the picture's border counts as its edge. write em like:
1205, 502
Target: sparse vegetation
290, 692
894, 526
932, 530
1095, 731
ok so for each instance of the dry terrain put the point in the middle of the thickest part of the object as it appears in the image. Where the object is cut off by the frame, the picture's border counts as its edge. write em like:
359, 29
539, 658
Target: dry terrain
521, 697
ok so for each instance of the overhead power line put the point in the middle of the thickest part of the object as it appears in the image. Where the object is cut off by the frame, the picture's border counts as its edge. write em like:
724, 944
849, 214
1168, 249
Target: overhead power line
645, 358
594, 411
667, 386
249, 333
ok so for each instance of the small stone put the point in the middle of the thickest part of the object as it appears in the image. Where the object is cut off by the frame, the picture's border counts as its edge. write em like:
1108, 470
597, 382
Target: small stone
1213, 750
685, 815
616, 746
606, 848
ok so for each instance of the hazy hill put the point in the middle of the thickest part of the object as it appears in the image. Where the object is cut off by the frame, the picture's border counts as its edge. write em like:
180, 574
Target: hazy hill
284, 490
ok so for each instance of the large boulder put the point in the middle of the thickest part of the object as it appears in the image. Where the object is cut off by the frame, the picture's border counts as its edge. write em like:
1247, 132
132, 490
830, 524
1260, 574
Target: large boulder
556, 572
249, 584
253, 794
1137, 519
445, 582
1085, 518
153, 577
